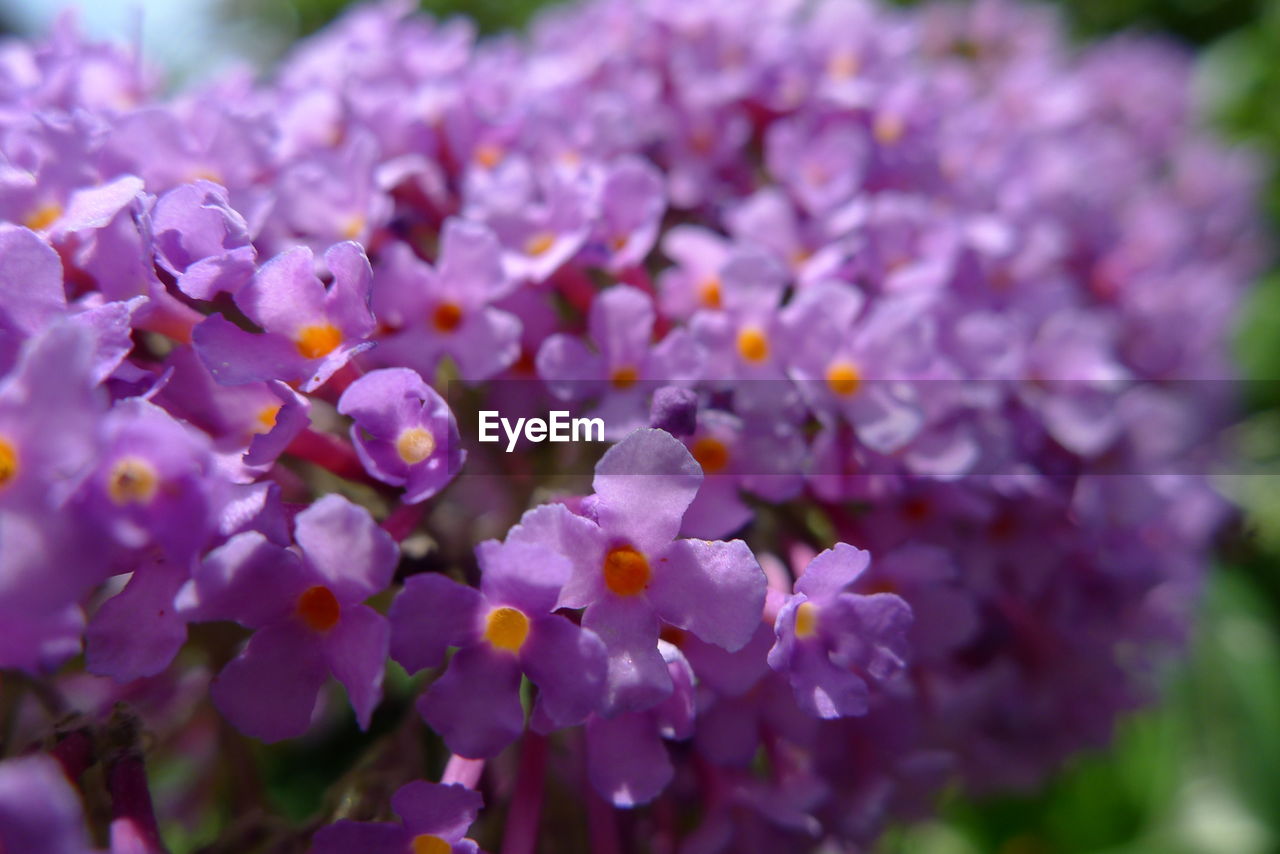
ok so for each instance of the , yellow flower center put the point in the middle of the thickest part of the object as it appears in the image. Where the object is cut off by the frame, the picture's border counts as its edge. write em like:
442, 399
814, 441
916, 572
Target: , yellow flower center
319, 608
539, 243
618, 242
843, 65
711, 454
265, 421
753, 346
709, 291
8, 463
623, 377
888, 128
352, 227
43, 216
427, 843
843, 378
806, 620
415, 444
318, 341
447, 316
626, 571
132, 481
506, 629
207, 173
488, 155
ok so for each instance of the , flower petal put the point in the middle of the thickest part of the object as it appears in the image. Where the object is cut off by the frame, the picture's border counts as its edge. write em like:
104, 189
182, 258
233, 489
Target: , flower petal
445, 810
569, 368
822, 688
573, 536
340, 539
828, 574
645, 483
236, 357
356, 649
714, 589
381, 402
475, 705
285, 295
626, 759
569, 666
31, 290
138, 631
869, 633
528, 576
730, 673
347, 301
429, 615
638, 676
247, 579
487, 343
40, 812
269, 690
471, 262
621, 325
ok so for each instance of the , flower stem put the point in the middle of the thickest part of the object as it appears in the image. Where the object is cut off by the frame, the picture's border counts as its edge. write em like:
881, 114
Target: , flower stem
402, 520
521, 836
75, 752
330, 453
602, 824
463, 770
132, 814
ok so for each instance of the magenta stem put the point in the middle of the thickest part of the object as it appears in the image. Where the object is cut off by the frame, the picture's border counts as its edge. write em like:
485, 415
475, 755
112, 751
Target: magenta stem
131, 802
402, 520
602, 824
521, 836
463, 770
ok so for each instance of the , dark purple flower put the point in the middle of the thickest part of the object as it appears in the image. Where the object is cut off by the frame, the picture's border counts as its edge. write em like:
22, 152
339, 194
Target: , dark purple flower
630, 571
832, 643
433, 820
446, 310
305, 608
309, 330
404, 432
503, 630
